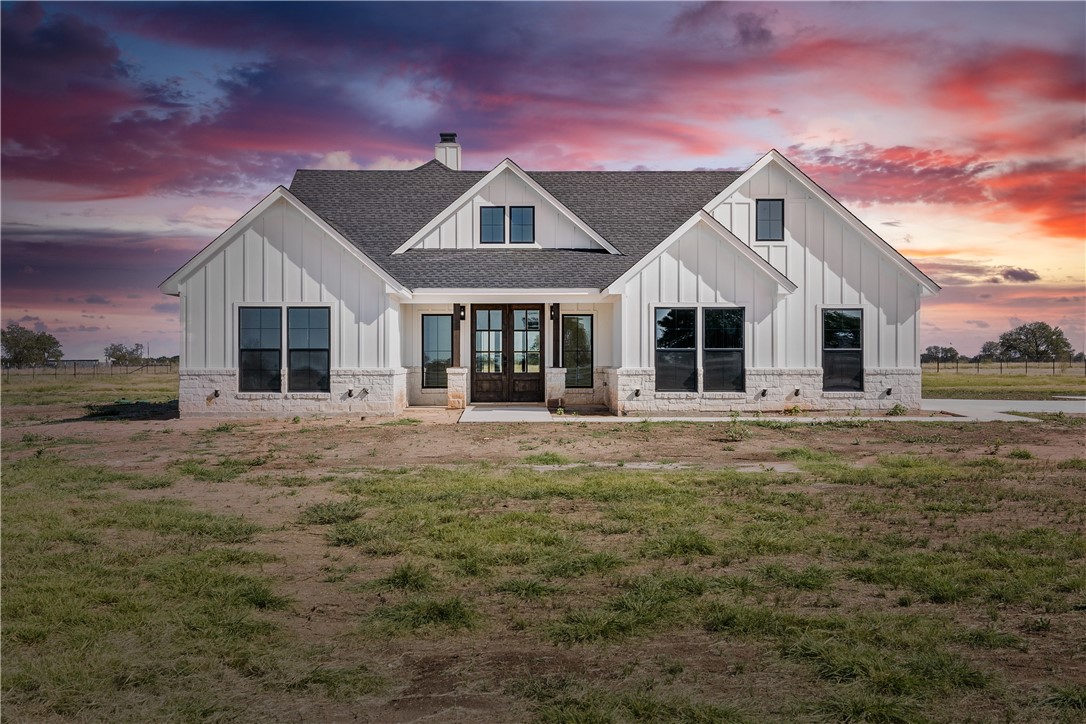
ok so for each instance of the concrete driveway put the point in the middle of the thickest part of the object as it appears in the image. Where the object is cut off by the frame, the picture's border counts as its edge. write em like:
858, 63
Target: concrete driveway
994, 410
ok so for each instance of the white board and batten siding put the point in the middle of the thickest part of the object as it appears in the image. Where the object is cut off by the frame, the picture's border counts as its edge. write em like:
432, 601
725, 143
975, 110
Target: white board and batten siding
698, 270
460, 229
834, 266
283, 258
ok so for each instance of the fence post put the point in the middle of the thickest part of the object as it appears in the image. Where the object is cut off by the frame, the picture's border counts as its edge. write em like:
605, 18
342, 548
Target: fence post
1027, 366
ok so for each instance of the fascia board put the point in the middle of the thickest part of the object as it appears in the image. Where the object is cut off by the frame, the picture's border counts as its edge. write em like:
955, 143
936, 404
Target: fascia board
887, 249
752, 256
172, 283
506, 165
928, 286
704, 217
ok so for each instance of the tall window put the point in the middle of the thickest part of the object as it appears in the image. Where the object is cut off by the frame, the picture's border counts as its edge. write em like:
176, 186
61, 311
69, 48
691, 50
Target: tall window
492, 224
308, 349
770, 220
436, 349
722, 356
577, 349
676, 350
259, 349
842, 350
521, 224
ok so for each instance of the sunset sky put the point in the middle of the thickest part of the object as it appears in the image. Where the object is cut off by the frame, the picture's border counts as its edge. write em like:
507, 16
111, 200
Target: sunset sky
133, 134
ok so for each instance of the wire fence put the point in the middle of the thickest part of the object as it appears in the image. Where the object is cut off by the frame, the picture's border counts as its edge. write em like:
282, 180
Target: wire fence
999, 367
86, 367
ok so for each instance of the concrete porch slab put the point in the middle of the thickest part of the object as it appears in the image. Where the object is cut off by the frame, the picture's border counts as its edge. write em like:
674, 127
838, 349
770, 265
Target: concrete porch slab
503, 412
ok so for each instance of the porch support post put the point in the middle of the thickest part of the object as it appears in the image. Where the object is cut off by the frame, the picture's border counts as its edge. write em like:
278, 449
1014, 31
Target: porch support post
458, 387
556, 337
456, 335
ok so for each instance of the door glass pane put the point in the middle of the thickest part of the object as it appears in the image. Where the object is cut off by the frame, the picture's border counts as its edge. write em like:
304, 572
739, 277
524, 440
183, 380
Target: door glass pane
533, 342
519, 344
495, 341
533, 362
481, 317
518, 319
518, 362
533, 319
482, 341
495, 319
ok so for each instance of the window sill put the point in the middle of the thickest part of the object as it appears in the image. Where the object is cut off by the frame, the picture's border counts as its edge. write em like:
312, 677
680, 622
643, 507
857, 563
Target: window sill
676, 395
259, 395
724, 395
308, 395
843, 395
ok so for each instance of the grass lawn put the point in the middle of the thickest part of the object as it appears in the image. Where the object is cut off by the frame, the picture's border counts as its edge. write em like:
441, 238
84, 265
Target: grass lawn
971, 386
322, 570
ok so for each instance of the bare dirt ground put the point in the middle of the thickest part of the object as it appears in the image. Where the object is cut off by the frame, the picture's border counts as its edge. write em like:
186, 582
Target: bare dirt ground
466, 676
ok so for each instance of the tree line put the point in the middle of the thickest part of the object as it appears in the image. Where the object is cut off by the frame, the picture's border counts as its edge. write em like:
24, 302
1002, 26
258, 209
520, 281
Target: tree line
24, 347
1032, 342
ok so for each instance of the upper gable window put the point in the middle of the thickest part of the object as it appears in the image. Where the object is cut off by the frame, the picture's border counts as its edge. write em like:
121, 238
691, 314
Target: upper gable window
521, 224
492, 224
770, 218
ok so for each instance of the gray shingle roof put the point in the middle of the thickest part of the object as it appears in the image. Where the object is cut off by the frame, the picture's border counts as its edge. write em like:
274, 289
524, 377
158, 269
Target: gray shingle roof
377, 211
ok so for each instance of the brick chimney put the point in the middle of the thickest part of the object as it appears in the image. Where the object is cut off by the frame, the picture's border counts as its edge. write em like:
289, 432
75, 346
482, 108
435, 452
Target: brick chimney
447, 151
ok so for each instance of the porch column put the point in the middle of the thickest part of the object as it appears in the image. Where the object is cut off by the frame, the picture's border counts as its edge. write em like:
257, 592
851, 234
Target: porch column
458, 388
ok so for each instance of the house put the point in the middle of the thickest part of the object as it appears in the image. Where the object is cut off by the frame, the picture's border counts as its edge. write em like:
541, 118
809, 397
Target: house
641, 291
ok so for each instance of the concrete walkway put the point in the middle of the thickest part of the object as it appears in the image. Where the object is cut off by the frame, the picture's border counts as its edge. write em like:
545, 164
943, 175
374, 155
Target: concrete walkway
506, 413
935, 411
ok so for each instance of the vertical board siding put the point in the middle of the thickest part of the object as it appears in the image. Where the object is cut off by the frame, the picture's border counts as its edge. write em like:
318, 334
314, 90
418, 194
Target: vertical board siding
834, 265
553, 230
697, 269
283, 257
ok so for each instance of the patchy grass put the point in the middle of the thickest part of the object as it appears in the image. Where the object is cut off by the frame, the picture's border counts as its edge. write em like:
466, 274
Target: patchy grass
547, 458
971, 386
46, 389
903, 572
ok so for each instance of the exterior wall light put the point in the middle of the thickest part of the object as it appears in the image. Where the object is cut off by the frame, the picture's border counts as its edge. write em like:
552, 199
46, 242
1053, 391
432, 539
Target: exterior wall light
215, 393
637, 392
764, 393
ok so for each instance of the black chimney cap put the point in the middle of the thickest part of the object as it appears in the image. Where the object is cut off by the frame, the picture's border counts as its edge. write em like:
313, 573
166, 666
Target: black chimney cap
448, 138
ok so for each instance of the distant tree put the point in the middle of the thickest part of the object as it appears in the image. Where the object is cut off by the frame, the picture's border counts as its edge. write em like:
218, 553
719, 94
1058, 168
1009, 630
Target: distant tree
1079, 357
23, 346
989, 351
119, 354
1036, 341
935, 353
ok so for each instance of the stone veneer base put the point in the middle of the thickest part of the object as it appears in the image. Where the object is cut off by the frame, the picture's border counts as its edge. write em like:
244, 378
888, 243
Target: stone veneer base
376, 392
633, 391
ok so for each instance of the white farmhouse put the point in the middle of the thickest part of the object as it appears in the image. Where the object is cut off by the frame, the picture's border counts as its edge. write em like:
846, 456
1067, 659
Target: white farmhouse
700, 291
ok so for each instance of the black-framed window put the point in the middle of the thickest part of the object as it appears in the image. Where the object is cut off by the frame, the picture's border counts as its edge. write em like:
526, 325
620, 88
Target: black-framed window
308, 345
722, 355
521, 224
769, 218
842, 350
260, 340
436, 349
577, 349
492, 224
676, 350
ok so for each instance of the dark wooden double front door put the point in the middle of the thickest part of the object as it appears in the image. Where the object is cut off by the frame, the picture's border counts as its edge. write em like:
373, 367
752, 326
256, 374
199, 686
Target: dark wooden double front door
507, 353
